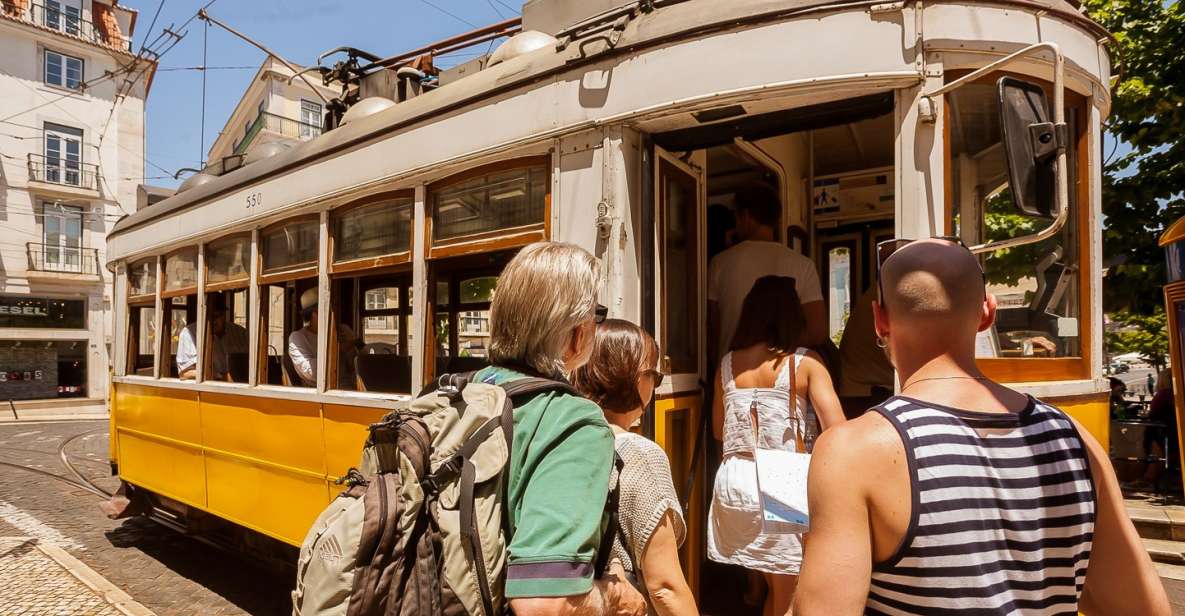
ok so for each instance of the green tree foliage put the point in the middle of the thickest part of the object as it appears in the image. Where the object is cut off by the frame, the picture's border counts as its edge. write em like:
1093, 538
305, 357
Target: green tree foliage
1143, 334
1142, 190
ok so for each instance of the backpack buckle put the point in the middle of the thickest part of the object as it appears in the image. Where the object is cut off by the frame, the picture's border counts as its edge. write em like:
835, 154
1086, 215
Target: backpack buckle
444, 474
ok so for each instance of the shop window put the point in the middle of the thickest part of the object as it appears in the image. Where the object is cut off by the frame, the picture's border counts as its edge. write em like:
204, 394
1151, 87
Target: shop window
142, 330
42, 369
374, 230
1038, 286
488, 202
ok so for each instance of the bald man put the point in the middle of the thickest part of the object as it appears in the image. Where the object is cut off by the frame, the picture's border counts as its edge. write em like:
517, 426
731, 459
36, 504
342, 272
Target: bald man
959, 493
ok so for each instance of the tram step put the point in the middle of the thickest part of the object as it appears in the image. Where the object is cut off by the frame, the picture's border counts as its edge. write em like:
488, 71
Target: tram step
1163, 523
1164, 551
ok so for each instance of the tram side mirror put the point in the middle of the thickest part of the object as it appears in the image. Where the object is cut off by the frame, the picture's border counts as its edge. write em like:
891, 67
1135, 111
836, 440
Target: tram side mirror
1030, 146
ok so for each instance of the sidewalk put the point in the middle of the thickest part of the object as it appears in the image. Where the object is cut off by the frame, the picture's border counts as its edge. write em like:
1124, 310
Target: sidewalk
66, 409
44, 579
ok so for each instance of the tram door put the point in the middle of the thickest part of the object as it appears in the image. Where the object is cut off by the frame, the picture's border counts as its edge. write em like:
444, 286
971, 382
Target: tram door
681, 275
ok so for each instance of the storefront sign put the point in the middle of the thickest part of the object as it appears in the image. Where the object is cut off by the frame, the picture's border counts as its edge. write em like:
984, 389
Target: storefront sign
42, 312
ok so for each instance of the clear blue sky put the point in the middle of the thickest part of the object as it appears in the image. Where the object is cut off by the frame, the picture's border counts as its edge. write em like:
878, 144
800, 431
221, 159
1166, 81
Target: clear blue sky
298, 30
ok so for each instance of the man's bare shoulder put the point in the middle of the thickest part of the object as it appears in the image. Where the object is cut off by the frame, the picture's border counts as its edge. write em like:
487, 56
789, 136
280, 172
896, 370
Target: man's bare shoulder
857, 445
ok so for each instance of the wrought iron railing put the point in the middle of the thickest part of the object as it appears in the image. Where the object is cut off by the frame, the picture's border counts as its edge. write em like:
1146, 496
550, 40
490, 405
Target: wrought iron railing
278, 124
67, 20
64, 259
63, 171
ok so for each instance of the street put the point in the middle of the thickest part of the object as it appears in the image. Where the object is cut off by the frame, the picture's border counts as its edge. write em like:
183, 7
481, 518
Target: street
162, 569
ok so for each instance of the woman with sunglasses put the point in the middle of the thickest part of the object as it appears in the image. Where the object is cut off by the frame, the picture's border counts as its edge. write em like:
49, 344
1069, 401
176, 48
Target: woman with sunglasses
767, 375
621, 376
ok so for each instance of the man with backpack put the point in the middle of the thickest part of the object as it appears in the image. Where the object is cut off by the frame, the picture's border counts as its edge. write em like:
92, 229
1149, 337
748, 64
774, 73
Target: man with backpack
489, 493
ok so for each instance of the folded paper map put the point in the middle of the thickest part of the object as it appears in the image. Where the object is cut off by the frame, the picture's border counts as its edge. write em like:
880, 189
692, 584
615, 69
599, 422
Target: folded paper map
781, 480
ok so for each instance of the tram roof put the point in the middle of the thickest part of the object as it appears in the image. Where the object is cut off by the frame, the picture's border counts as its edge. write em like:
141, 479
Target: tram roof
647, 30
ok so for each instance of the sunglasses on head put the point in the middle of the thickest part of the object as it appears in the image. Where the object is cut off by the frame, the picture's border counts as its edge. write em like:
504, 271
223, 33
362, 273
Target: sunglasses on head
885, 249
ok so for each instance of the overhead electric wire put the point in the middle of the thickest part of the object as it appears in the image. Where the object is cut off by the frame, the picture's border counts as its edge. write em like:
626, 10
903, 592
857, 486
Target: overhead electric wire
510, 8
151, 24
450, 14
205, 68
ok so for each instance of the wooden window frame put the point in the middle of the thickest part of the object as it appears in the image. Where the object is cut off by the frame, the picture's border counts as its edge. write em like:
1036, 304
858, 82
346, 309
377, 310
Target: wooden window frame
130, 358
167, 293
693, 298
1042, 369
363, 264
400, 278
489, 241
262, 334
455, 272
234, 283
141, 298
164, 342
293, 271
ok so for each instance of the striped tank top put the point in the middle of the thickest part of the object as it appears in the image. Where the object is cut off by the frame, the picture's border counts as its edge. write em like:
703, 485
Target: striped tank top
1002, 516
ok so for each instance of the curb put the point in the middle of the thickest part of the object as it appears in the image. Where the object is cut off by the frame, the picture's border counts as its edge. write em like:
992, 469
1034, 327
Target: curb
117, 598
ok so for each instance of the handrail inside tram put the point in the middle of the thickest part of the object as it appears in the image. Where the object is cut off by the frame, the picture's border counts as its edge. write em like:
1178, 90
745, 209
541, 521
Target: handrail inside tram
1059, 119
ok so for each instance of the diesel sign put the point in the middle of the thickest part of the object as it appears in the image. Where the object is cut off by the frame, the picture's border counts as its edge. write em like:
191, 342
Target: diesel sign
42, 312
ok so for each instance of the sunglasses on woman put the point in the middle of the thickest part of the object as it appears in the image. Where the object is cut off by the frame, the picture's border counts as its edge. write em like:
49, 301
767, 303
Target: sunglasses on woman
885, 249
656, 375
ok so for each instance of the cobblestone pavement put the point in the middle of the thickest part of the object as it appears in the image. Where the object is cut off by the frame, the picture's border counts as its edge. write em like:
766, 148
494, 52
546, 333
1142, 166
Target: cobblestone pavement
34, 583
160, 568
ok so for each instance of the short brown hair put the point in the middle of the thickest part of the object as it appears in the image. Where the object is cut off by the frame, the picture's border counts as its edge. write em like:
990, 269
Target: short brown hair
761, 203
772, 314
621, 352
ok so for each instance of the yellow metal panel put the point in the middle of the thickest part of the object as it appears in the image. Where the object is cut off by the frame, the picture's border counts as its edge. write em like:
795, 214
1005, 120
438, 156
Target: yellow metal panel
261, 497
285, 433
171, 468
676, 421
1092, 411
171, 413
345, 433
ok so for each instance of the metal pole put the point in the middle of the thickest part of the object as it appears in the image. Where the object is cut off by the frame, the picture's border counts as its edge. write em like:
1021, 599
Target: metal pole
202, 14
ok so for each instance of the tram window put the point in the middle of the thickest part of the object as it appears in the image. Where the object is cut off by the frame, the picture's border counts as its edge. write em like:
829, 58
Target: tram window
373, 230
1037, 286
142, 278
839, 285
462, 321
181, 270
289, 244
680, 267
490, 202
141, 339
380, 359
228, 260
180, 312
225, 346
282, 317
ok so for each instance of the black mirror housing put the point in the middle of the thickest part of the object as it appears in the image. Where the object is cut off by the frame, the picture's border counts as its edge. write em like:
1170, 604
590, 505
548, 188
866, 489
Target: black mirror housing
1031, 142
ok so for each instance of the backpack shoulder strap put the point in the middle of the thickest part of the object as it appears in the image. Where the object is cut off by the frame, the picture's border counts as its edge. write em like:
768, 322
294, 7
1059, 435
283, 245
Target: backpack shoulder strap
612, 531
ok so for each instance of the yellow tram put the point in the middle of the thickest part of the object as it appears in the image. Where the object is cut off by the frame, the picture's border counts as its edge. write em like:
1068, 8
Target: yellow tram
615, 126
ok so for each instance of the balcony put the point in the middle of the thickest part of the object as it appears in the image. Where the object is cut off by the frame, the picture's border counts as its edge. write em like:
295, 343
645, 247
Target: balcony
65, 19
276, 125
48, 263
62, 176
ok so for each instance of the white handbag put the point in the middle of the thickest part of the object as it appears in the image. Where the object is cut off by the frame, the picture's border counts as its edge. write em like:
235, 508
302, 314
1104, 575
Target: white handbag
782, 477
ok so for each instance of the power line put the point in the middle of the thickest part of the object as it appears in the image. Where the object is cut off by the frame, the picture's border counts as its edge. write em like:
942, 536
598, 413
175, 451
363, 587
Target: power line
206, 68
151, 24
450, 14
510, 8
496, 11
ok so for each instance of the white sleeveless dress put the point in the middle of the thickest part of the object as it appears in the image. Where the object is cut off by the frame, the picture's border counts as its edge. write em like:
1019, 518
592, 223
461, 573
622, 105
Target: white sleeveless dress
734, 525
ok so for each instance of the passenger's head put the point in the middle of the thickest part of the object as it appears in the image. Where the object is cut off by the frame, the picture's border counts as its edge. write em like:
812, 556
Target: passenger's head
771, 315
216, 309
622, 371
308, 306
1117, 386
544, 309
934, 300
758, 209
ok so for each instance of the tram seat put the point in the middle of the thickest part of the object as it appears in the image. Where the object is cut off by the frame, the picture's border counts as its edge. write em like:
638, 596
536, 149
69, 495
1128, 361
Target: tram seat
461, 365
383, 372
1053, 279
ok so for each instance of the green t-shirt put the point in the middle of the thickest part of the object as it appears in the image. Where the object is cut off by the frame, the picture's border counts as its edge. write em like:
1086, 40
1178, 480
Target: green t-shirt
556, 490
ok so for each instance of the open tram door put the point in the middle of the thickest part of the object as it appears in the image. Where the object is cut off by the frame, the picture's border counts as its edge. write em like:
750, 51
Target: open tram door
678, 420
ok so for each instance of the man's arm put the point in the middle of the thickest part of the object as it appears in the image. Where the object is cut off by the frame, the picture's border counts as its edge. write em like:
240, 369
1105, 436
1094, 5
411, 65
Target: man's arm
306, 365
613, 595
1120, 578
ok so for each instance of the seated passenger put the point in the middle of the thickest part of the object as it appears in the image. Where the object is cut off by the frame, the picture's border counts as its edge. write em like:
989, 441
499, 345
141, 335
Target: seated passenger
302, 346
620, 377
225, 339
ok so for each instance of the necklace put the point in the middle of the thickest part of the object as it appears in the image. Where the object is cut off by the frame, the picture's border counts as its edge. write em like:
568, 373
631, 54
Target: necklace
944, 378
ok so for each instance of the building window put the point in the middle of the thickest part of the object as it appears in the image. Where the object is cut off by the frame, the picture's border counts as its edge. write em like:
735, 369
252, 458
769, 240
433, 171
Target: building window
63, 154
310, 119
65, 18
62, 70
62, 237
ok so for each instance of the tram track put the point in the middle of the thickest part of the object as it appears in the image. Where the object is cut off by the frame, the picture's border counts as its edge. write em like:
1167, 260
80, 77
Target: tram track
79, 479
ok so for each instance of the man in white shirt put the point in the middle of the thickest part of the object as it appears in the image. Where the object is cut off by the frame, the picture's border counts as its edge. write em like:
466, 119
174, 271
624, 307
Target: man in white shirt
225, 339
757, 253
302, 346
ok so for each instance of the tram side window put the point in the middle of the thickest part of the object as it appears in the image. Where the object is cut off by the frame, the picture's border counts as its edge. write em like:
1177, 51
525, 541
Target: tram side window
462, 320
1037, 286
225, 347
372, 339
179, 296
490, 202
681, 263
141, 343
288, 349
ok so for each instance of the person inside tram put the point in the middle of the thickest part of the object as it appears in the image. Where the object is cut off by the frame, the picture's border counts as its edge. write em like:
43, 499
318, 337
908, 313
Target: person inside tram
542, 323
767, 371
756, 254
865, 375
226, 339
620, 377
962, 493
302, 346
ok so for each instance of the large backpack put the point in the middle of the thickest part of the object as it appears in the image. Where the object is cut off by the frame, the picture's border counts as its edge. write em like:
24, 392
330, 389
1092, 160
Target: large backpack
420, 528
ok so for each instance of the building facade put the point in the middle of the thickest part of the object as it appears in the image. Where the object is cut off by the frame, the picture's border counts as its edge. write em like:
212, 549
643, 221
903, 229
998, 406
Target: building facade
72, 148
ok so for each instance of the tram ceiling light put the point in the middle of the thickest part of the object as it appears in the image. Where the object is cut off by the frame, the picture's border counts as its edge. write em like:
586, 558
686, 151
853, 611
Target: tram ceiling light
508, 194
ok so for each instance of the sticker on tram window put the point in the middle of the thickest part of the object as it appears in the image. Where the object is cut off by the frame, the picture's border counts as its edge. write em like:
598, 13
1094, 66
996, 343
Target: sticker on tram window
254, 200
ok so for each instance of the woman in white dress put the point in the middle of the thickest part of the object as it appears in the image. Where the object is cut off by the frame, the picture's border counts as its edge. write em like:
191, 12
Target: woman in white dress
763, 366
